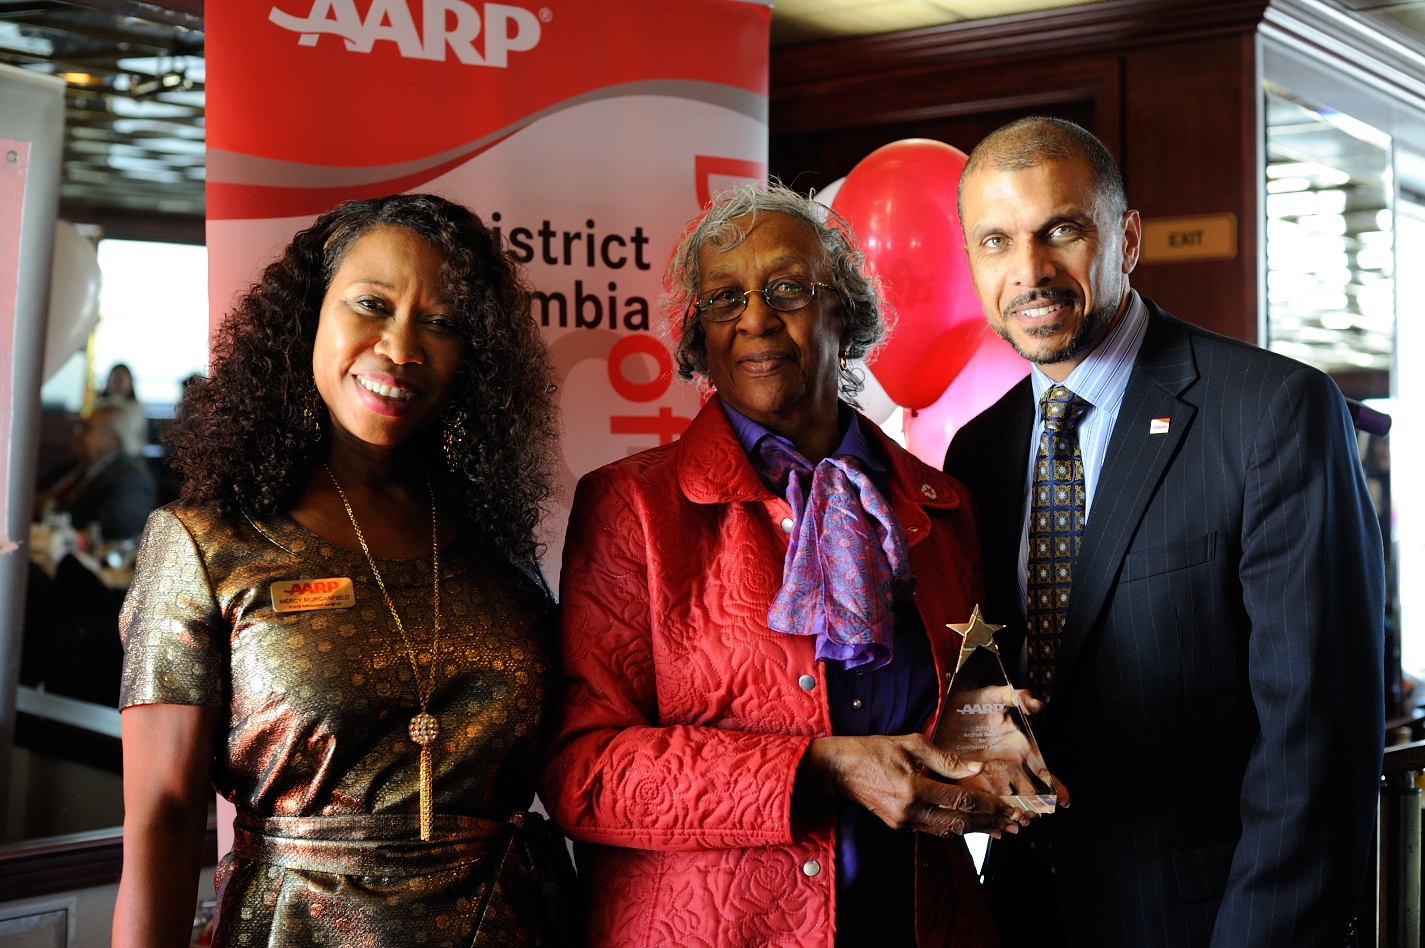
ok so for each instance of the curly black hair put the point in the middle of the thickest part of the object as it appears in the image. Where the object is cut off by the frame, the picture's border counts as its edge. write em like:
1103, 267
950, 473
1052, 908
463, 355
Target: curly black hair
246, 439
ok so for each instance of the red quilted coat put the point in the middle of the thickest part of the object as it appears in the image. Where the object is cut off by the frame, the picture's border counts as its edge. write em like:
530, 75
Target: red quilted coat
684, 717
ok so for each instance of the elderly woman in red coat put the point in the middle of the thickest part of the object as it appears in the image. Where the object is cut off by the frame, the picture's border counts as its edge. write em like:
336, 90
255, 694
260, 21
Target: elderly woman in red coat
755, 631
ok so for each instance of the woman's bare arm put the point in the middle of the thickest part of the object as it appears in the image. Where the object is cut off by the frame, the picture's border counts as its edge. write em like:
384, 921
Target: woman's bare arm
168, 753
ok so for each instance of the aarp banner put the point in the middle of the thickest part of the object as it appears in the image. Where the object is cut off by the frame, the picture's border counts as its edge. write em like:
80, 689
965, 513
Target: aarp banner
587, 131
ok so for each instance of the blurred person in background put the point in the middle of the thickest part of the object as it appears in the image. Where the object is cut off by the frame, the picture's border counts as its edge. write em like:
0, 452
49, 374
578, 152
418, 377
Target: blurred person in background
106, 485
72, 606
131, 422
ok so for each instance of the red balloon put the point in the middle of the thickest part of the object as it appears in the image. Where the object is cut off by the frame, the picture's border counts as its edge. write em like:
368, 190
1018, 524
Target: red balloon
900, 200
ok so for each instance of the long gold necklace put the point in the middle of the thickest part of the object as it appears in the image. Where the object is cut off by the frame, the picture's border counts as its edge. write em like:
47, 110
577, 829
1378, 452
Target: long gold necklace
424, 727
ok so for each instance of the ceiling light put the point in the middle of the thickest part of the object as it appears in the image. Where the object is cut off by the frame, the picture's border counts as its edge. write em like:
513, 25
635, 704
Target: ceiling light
168, 82
1306, 203
195, 98
1308, 169
133, 108
1356, 128
1324, 223
22, 41
127, 126
191, 66
1374, 259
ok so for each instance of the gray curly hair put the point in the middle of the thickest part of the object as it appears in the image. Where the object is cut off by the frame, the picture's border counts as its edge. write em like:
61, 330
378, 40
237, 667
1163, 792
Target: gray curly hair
865, 314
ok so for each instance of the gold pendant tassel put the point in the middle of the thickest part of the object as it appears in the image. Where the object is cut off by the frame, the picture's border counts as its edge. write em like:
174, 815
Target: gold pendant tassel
427, 791
424, 730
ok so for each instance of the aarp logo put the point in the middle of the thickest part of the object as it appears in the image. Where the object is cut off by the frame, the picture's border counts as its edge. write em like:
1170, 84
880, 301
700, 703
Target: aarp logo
445, 24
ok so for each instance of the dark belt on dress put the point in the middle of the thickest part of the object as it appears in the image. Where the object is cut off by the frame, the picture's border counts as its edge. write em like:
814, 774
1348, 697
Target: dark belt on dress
370, 845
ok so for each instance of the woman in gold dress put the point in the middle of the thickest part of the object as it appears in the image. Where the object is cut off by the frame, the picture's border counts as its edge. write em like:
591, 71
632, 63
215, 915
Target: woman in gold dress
342, 625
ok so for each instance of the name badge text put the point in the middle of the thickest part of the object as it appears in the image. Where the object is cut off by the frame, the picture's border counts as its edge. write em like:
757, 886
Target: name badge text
302, 595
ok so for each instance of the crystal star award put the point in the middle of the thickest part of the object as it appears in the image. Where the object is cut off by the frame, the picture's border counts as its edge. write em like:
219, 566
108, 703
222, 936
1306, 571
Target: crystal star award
980, 719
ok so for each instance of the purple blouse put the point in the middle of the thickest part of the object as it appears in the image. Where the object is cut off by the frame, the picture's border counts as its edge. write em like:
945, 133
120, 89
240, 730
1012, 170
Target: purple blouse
875, 865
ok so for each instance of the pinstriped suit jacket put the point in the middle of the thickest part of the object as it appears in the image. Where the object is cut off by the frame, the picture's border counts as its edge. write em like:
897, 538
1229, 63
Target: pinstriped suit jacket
1218, 708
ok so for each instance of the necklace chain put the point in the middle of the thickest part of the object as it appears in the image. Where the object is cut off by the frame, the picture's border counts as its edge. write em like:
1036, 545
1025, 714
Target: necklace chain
424, 728
423, 693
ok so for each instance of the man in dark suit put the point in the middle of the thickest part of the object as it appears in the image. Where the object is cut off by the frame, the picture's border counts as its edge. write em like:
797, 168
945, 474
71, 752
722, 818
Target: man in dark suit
105, 485
1178, 539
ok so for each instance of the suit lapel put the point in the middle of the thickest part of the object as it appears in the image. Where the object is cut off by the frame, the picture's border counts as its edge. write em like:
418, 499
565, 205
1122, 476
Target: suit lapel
1133, 468
1011, 484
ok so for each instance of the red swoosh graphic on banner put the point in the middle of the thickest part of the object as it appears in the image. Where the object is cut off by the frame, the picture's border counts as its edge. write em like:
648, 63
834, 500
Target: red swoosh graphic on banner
248, 201
229, 201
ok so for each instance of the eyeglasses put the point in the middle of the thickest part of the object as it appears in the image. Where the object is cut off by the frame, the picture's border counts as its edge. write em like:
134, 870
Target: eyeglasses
785, 295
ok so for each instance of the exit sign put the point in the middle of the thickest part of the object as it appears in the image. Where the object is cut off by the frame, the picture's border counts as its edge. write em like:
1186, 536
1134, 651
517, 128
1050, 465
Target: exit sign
1185, 239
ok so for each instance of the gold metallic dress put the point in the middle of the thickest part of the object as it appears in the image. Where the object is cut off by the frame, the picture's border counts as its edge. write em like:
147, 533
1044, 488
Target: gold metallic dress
317, 756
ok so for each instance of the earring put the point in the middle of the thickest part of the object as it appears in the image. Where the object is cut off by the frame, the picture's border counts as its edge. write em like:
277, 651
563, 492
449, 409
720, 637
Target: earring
311, 417
843, 360
452, 439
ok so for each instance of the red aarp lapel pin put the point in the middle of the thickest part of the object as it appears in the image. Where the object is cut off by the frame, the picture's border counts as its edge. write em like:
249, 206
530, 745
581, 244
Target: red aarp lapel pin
1159, 425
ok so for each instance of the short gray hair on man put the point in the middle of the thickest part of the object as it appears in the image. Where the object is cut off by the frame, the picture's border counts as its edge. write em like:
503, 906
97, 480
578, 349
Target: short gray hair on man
1038, 139
864, 313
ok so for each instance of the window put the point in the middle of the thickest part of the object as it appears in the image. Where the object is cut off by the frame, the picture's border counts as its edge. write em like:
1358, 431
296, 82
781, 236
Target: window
1330, 244
153, 315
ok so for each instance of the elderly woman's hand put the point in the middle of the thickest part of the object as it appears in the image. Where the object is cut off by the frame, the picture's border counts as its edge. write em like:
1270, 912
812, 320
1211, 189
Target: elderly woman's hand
884, 775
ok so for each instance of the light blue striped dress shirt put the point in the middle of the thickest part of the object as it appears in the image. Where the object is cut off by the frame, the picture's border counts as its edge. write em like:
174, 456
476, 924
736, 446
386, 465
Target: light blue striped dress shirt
1101, 380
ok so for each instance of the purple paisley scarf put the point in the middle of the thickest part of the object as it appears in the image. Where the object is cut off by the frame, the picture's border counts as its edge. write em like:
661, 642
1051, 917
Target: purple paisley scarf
847, 563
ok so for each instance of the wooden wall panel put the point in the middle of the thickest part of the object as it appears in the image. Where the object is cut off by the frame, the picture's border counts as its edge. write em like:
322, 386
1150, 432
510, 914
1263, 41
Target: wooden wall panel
1001, 47
806, 160
818, 136
1190, 147
1168, 85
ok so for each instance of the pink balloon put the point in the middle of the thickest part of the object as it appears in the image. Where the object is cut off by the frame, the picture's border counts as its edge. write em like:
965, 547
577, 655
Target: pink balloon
992, 370
900, 200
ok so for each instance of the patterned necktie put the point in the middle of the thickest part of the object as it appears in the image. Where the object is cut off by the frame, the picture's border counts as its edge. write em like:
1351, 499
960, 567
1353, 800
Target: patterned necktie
1056, 525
